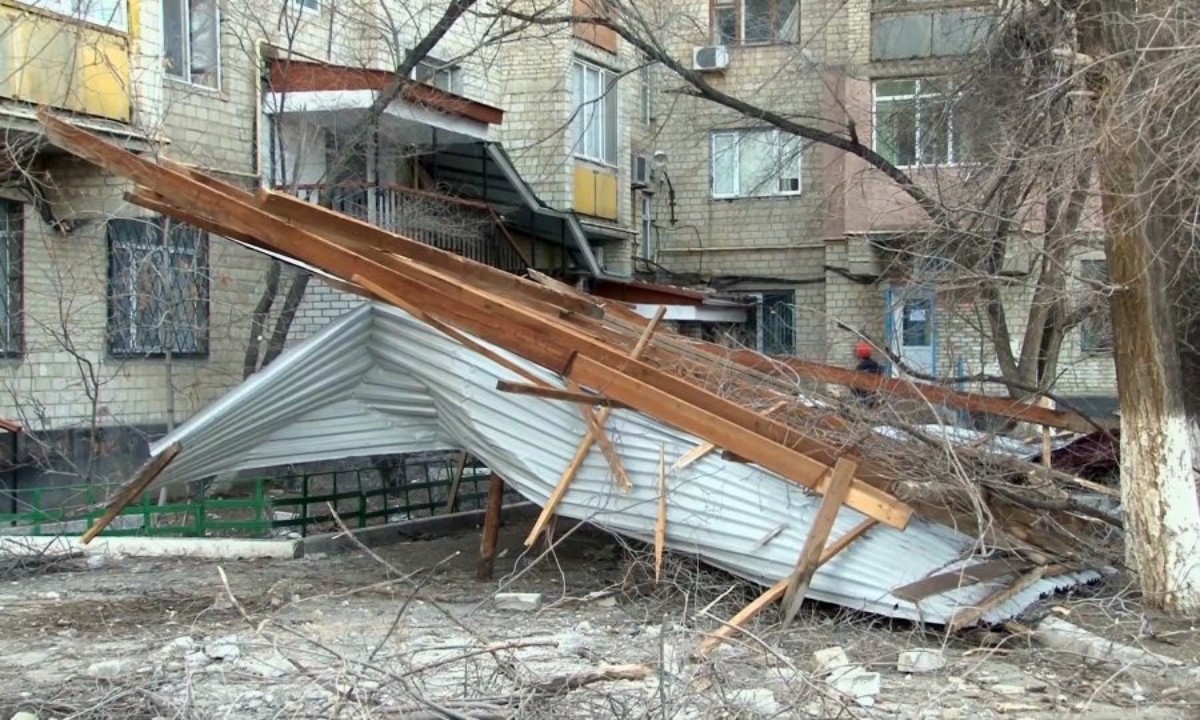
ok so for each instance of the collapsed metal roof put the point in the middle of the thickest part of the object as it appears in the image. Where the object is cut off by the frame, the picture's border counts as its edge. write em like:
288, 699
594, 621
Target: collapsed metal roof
378, 381
436, 365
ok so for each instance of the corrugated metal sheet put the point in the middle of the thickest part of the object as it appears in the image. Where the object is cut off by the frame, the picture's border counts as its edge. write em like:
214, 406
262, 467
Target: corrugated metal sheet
378, 381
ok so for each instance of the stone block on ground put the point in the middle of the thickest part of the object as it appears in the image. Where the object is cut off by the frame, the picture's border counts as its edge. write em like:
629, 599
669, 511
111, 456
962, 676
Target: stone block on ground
518, 602
921, 660
830, 659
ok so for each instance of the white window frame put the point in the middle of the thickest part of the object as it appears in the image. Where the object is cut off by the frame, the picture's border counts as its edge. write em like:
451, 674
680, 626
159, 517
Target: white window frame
952, 160
647, 230
309, 6
789, 31
585, 118
780, 140
184, 74
432, 70
646, 95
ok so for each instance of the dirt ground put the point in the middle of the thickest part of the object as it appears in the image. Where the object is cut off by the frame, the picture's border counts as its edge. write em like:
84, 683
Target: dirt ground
410, 633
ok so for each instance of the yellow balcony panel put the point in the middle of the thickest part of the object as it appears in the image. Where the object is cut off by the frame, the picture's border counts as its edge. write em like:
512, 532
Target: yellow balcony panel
595, 192
60, 63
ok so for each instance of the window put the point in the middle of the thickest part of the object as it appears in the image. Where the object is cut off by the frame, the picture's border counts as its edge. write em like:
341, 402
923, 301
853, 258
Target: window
594, 92
648, 249
906, 36
1096, 331
12, 221
108, 13
646, 98
770, 327
314, 5
191, 40
158, 288
755, 163
440, 75
755, 22
917, 123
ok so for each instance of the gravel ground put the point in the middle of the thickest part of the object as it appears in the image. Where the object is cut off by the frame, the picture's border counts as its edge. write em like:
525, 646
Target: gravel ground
410, 633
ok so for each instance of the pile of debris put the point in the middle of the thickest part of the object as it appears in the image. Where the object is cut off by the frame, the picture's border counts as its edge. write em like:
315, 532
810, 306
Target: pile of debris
744, 460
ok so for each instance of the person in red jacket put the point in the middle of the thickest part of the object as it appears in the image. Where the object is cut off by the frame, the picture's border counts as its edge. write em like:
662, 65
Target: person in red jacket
867, 364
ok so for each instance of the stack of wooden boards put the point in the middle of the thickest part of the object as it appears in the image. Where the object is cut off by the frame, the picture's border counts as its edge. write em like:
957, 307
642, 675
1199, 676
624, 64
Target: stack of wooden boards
749, 406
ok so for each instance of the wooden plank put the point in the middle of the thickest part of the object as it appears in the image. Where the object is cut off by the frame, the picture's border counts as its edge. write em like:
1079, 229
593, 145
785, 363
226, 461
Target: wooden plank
549, 393
778, 458
703, 449
326, 221
818, 533
585, 445
524, 331
150, 470
460, 466
791, 368
777, 590
491, 529
596, 430
970, 615
945, 582
660, 525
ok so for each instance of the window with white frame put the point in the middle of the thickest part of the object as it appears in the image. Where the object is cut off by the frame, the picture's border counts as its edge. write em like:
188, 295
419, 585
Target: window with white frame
313, 5
770, 326
918, 122
12, 218
191, 40
107, 13
594, 92
649, 251
440, 75
646, 97
158, 288
755, 22
755, 163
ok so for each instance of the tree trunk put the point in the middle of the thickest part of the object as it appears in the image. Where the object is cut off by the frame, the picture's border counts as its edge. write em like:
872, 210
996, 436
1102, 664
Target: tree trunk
1162, 516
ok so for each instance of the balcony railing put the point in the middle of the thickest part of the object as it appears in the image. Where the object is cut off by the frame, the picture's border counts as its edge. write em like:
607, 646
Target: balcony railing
458, 225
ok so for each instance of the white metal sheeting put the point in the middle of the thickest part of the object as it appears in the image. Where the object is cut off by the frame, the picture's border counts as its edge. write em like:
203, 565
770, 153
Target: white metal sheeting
378, 381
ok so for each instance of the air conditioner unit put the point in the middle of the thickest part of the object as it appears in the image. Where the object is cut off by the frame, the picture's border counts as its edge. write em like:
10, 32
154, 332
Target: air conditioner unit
640, 175
713, 58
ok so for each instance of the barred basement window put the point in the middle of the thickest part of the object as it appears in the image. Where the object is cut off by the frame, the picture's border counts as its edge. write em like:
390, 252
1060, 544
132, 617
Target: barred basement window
158, 288
11, 241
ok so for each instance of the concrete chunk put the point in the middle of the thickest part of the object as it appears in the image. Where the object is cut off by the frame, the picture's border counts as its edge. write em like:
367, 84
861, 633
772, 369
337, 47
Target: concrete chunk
519, 602
830, 659
856, 682
921, 660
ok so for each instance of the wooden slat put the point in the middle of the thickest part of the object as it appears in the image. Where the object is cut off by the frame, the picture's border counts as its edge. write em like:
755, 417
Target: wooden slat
818, 533
722, 431
146, 475
660, 525
596, 429
703, 449
945, 582
777, 590
968, 616
549, 393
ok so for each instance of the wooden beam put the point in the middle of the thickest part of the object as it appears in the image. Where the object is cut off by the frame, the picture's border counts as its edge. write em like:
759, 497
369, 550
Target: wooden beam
818, 533
703, 449
585, 445
660, 526
150, 470
972, 614
596, 430
460, 466
777, 590
491, 529
549, 393
722, 431
973, 575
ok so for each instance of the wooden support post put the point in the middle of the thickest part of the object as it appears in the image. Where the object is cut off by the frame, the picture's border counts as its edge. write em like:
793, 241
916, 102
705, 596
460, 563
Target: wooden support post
818, 533
491, 529
777, 590
660, 527
460, 465
146, 475
585, 445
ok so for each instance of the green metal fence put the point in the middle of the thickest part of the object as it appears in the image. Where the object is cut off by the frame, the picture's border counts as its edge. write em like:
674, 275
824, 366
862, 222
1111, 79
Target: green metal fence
265, 506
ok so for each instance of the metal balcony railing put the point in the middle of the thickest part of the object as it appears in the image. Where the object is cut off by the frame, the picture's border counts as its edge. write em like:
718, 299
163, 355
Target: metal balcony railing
465, 227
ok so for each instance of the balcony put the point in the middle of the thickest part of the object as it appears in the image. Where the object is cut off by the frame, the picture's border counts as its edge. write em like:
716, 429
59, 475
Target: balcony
464, 227
67, 61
